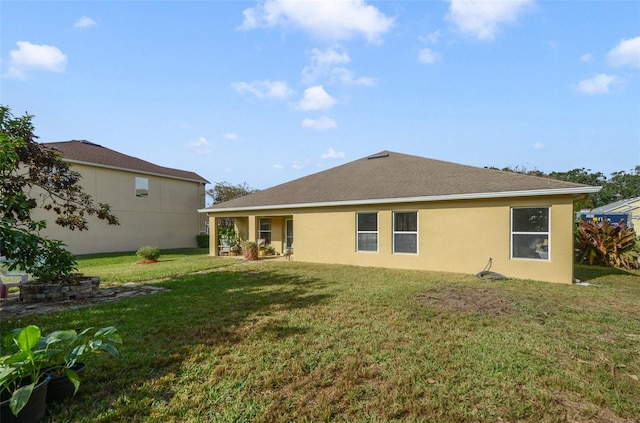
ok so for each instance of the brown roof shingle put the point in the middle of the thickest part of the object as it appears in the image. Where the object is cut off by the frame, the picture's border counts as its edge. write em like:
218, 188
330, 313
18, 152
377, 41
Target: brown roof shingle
83, 151
389, 176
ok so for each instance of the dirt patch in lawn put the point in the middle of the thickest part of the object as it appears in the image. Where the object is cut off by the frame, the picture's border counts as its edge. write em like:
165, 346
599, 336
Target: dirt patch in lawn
467, 299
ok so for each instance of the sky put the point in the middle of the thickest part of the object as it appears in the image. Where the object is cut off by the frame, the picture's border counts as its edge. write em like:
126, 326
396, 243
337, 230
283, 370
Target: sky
264, 92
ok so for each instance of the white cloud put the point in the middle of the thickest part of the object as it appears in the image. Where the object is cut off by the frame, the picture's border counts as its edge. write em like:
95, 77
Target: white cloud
333, 20
482, 19
31, 57
316, 98
428, 56
626, 53
201, 141
539, 146
321, 124
587, 57
322, 62
345, 76
431, 38
599, 84
333, 154
277, 166
264, 89
299, 165
230, 136
84, 22
329, 64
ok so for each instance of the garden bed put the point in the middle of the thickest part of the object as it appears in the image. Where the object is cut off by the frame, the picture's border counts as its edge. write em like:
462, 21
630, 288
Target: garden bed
85, 288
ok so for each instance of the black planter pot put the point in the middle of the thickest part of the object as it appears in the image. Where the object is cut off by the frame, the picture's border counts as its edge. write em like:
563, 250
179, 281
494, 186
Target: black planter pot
33, 411
60, 387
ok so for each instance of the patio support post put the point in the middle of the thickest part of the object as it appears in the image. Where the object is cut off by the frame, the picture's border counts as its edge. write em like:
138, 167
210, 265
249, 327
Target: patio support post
253, 232
214, 248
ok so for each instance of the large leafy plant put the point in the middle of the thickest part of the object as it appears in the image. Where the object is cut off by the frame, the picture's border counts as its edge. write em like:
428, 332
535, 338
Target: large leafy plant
27, 357
35, 176
67, 346
22, 365
607, 245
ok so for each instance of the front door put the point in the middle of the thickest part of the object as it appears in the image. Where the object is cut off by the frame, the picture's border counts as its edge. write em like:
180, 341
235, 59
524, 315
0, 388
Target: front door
288, 229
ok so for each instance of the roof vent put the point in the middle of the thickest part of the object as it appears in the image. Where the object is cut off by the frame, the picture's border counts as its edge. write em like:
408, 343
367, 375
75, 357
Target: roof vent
90, 143
379, 156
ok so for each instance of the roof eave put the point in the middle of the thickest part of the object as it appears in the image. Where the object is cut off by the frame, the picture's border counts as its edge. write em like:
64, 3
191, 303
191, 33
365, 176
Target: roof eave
164, 175
451, 197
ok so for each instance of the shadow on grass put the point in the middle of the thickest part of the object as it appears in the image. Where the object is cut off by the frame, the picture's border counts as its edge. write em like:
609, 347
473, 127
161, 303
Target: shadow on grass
165, 333
586, 272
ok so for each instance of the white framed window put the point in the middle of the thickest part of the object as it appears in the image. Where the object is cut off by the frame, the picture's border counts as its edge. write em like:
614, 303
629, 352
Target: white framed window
405, 232
142, 187
265, 230
367, 232
530, 233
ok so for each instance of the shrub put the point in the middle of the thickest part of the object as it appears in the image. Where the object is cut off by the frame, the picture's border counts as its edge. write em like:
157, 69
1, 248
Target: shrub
149, 253
250, 249
607, 245
203, 241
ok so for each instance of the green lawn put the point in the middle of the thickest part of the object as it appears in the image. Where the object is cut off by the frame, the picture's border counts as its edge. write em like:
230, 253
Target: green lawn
288, 341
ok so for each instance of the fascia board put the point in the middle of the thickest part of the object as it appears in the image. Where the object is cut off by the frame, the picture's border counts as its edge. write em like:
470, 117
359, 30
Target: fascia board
452, 197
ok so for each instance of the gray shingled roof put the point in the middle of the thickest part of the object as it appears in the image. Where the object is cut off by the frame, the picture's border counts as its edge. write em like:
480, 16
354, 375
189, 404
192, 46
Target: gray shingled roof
393, 177
82, 151
612, 206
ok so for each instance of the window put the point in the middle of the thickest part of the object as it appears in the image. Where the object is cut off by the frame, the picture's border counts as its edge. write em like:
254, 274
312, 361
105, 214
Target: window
367, 231
405, 232
265, 230
530, 233
142, 187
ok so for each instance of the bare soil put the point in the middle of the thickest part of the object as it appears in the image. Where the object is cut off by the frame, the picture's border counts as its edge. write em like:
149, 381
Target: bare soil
467, 299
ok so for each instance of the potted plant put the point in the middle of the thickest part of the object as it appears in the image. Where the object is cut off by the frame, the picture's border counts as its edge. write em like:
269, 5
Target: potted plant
65, 348
250, 249
23, 382
269, 249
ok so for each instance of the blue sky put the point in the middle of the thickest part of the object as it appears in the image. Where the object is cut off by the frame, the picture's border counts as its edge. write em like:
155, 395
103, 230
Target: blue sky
264, 92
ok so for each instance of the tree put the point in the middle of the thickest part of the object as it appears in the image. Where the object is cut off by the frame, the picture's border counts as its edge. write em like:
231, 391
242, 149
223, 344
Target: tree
621, 185
33, 175
224, 191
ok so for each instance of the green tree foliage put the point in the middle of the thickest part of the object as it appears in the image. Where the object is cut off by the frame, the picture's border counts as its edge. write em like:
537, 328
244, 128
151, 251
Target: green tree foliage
224, 191
619, 186
31, 176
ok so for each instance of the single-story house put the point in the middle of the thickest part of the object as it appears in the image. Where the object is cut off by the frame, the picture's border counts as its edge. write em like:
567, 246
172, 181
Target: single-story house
629, 207
400, 211
155, 205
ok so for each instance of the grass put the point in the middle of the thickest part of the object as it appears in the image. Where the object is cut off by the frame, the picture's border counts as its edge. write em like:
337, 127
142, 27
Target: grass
118, 268
287, 341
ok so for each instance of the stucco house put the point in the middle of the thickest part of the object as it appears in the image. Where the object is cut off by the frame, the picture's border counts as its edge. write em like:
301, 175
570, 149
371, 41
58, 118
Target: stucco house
155, 205
400, 211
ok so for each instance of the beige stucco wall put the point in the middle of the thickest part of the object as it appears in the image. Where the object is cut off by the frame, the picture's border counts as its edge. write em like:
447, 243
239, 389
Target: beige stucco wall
167, 218
456, 236
634, 208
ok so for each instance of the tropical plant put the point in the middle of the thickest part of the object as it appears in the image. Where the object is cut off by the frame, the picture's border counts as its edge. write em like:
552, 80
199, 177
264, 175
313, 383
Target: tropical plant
229, 234
22, 363
27, 357
607, 245
66, 346
149, 252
